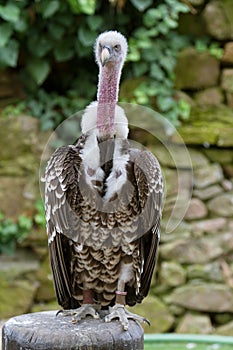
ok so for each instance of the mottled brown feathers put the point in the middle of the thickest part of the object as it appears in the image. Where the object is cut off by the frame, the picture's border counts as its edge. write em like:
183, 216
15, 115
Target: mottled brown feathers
89, 236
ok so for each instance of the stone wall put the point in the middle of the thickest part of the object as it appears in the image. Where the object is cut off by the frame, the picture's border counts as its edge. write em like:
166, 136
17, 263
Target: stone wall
194, 281
193, 291
21, 146
208, 80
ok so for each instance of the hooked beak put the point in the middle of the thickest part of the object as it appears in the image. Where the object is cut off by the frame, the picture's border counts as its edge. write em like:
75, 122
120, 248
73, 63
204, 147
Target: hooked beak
106, 54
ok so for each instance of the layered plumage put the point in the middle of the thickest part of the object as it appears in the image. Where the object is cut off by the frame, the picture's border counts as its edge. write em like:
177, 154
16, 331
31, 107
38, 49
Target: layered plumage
103, 201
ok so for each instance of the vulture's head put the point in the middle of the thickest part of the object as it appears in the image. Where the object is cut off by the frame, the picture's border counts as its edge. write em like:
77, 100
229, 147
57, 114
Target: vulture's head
110, 49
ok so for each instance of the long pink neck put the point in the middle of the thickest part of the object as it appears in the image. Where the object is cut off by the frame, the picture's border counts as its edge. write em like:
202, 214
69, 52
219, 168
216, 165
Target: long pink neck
107, 98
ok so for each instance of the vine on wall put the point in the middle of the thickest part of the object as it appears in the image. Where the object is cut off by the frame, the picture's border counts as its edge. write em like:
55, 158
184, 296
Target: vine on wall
51, 44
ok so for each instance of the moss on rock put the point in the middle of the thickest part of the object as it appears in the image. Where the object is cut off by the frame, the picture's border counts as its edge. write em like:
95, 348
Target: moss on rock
157, 312
172, 274
194, 324
45, 291
208, 126
16, 297
21, 146
209, 297
218, 15
196, 70
222, 205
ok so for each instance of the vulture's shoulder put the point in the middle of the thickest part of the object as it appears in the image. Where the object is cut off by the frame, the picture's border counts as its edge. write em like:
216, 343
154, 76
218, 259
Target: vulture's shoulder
147, 169
61, 183
144, 156
65, 160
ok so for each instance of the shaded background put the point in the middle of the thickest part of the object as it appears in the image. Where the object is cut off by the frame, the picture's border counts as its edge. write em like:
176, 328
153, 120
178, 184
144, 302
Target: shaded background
180, 63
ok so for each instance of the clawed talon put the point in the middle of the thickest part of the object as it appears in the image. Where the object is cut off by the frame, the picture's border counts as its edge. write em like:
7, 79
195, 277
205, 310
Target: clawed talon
82, 312
118, 311
59, 312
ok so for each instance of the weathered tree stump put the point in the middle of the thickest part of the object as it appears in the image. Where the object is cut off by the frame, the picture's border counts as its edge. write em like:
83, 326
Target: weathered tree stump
43, 330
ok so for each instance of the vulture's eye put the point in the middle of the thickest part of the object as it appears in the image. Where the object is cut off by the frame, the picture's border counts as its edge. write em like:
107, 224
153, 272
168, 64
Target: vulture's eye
117, 48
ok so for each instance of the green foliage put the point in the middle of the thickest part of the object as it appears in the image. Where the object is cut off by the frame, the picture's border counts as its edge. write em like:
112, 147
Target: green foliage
153, 50
141, 5
52, 108
83, 6
13, 232
15, 108
51, 43
39, 217
204, 44
9, 47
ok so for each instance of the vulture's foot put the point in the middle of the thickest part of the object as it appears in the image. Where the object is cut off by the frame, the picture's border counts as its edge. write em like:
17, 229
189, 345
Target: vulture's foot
82, 312
120, 312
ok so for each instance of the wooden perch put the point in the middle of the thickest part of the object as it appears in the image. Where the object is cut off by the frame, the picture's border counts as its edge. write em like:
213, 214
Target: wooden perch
43, 330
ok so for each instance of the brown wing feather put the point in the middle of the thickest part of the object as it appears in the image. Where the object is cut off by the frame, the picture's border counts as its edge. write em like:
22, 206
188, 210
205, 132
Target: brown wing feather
149, 182
59, 251
62, 175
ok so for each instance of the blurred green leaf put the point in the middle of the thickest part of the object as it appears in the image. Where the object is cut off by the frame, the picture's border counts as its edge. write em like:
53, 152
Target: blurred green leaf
39, 46
162, 28
64, 51
38, 69
141, 33
168, 63
171, 23
144, 44
141, 5
94, 22
156, 72
40, 219
201, 45
215, 50
24, 222
165, 103
86, 36
47, 124
10, 12
134, 54
56, 30
140, 69
6, 30
8, 248
12, 232
9, 54
83, 6
49, 8
66, 19
21, 24
141, 95
152, 16
10, 229
184, 109
204, 45
178, 6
